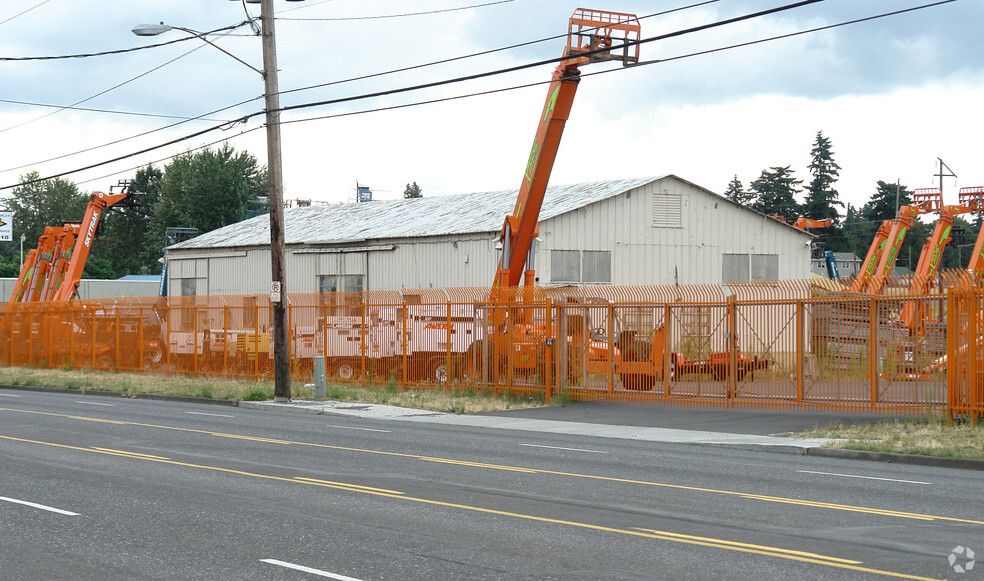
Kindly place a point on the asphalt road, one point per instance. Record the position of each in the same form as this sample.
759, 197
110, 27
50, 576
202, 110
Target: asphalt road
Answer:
113, 488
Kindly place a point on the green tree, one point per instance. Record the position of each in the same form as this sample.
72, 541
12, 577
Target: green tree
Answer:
881, 207
40, 203
775, 192
821, 198
885, 202
736, 192
412, 191
206, 189
124, 232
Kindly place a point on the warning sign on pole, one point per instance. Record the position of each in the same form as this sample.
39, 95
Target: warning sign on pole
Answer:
6, 226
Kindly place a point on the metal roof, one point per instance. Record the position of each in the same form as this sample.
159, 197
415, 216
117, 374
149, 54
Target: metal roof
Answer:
406, 218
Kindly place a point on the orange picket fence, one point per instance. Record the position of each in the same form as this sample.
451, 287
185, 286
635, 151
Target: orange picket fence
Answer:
796, 345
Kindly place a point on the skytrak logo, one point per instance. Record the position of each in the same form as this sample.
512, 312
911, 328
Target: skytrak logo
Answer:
92, 229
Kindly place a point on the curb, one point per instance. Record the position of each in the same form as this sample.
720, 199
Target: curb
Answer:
837, 453
121, 395
894, 458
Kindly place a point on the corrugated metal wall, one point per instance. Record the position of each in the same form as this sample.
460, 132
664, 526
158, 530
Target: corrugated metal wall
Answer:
98, 289
666, 232
682, 243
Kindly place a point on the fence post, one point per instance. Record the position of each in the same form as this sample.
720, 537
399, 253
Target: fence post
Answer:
800, 351
550, 339
873, 348
404, 344
611, 350
731, 315
448, 371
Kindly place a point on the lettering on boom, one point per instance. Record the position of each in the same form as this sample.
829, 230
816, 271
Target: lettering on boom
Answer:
92, 229
531, 164
938, 251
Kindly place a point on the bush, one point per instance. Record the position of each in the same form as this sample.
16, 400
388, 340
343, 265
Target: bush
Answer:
258, 393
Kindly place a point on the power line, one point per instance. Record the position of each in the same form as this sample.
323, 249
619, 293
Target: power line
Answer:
491, 73
404, 14
94, 110
363, 77
117, 51
517, 68
23, 12
145, 133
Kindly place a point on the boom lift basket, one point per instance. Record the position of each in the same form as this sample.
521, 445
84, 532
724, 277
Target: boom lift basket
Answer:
596, 30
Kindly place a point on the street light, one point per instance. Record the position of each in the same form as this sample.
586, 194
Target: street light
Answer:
271, 96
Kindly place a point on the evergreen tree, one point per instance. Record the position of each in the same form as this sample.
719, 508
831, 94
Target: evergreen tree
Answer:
821, 198
736, 192
775, 191
412, 191
885, 202
881, 207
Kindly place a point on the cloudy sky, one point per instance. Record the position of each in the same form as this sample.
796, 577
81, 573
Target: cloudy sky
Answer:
893, 94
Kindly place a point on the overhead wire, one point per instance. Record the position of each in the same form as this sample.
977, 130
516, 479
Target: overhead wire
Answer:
23, 12
491, 73
145, 133
385, 16
352, 79
480, 53
115, 51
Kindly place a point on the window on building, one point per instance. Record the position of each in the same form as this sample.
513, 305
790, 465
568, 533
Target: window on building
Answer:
350, 287
338, 283
763, 267
596, 266
188, 287
576, 266
749, 267
565, 265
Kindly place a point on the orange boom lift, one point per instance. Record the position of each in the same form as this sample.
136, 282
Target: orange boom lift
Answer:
591, 37
884, 249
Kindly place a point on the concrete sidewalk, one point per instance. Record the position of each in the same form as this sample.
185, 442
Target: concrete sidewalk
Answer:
597, 419
736, 428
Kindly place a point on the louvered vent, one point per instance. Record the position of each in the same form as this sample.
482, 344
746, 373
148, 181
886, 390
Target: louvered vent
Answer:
667, 210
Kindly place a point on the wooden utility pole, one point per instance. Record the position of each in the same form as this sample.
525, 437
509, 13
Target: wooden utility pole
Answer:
281, 352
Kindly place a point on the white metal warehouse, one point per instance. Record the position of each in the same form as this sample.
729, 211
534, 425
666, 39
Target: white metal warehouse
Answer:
662, 230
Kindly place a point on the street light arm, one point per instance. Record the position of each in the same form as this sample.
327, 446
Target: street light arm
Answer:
156, 29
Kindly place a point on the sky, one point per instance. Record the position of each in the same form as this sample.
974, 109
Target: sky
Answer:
893, 95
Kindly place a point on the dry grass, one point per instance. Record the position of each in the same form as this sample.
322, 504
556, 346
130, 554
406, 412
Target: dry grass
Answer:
928, 437
457, 401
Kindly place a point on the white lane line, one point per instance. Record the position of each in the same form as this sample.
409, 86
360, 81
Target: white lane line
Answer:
41, 506
94, 403
865, 477
308, 570
208, 414
560, 448
8, 395
360, 429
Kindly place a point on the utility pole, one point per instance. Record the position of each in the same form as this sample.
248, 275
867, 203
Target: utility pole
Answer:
278, 294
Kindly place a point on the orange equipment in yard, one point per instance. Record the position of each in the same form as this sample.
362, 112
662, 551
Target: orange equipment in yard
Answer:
974, 198
929, 263
53, 270
811, 224
884, 249
591, 37
83, 244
